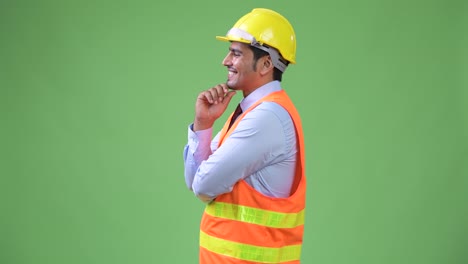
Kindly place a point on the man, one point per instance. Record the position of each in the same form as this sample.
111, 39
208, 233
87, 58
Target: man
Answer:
251, 174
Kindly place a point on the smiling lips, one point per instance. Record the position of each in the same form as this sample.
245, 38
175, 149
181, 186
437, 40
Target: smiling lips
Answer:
231, 72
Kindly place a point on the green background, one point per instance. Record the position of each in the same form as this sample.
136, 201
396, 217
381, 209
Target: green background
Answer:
96, 97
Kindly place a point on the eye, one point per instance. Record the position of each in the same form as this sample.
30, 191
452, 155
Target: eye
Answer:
235, 52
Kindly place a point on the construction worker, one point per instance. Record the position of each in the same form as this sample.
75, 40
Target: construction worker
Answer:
251, 174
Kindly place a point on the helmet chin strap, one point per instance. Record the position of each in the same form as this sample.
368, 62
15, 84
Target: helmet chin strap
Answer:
275, 57
274, 54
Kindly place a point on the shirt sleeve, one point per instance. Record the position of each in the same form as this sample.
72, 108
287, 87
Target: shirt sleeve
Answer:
198, 148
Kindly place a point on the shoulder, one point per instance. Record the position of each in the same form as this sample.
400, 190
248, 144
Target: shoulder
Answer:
268, 117
271, 111
272, 124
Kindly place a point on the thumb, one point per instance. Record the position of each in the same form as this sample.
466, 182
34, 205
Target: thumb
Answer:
229, 96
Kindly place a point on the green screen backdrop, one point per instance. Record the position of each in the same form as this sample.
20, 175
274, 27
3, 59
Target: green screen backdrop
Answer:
96, 98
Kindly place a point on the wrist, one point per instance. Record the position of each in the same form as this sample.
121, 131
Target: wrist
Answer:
202, 124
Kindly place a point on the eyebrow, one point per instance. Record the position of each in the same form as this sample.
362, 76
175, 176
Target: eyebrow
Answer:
235, 50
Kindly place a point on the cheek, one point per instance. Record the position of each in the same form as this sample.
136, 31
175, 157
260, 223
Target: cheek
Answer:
240, 66
235, 63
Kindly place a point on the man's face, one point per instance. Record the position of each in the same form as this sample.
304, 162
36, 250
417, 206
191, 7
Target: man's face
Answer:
239, 62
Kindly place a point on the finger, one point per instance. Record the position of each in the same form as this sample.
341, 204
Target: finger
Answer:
215, 94
208, 96
220, 89
225, 88
230, 94
228, 97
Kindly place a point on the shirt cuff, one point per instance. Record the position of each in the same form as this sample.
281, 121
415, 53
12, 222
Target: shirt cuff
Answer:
200, 135
200, 138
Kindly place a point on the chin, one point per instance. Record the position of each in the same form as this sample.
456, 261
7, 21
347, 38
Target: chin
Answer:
231, 85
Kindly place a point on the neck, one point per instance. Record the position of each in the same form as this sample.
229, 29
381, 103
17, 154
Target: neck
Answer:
257, 85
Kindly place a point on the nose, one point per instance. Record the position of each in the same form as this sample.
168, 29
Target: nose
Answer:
227, 60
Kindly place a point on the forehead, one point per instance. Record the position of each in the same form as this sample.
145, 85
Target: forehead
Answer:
244, 48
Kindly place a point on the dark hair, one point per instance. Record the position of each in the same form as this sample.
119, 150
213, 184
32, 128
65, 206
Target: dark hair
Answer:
257, 54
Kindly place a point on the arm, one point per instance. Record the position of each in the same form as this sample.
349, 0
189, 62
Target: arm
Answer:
210, 105
196, 150
254, 144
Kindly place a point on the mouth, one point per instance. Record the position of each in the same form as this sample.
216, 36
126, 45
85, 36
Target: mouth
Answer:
231, 72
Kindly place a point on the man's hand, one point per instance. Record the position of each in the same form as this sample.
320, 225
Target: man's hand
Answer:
210, 105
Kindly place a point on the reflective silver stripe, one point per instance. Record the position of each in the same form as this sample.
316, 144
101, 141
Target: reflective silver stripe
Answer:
249, 252
237, 32
256, 216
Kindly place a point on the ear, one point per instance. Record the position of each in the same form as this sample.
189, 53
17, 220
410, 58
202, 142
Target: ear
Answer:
266, 65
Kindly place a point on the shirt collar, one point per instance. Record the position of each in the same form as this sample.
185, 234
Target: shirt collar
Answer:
259, 93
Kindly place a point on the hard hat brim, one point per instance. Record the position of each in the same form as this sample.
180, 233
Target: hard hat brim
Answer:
222, 38
230, 38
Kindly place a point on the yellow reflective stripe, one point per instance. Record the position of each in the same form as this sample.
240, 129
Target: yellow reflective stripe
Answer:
255, 216
249, 252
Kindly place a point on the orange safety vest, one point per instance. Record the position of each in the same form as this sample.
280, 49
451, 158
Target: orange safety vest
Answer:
245, 226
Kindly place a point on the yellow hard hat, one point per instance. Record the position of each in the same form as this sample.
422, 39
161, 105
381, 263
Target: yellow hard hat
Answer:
266, 29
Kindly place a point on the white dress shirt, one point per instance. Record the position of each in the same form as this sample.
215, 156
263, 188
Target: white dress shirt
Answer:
261, 150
